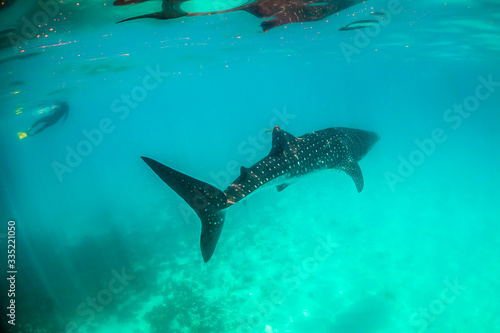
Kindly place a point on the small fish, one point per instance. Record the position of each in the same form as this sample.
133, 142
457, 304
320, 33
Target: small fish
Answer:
378, 13
17, 83
359, 25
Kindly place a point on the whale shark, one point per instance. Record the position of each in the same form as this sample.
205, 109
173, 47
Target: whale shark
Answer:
336, 148
279, 12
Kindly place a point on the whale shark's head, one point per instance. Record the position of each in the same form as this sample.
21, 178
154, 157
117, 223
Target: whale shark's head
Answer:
357, 142
363, 141
368, 138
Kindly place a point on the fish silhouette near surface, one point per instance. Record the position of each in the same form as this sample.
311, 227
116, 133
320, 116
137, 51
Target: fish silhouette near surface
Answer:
278, 12
337, 148
361, 24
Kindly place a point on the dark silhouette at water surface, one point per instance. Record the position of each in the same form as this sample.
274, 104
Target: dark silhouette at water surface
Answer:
279, 12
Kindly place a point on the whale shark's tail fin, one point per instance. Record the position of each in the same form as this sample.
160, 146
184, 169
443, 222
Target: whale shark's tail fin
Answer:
206, 200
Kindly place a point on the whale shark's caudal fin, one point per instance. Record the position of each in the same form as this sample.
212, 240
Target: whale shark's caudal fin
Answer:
206, 200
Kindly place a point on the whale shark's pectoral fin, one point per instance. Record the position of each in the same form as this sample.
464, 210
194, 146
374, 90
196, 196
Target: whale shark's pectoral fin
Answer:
170, 10
283, 186
352, 169
157, 15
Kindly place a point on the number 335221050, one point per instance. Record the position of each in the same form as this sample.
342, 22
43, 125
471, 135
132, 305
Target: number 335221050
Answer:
11, 248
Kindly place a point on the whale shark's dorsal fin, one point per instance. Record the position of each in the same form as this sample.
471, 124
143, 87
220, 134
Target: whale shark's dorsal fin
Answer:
282, 140
352, 169
243, 173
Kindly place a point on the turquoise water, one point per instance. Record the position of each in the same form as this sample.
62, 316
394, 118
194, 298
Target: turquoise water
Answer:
103, 245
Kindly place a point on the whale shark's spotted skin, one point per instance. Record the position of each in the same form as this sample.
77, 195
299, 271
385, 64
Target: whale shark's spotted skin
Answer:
290, 157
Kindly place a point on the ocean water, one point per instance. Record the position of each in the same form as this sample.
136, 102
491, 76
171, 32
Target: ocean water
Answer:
103, 245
